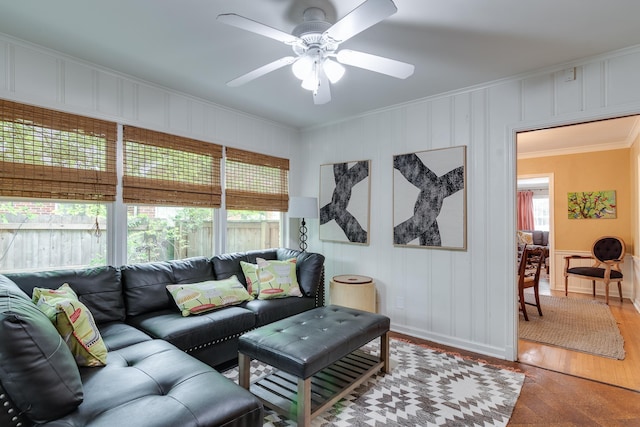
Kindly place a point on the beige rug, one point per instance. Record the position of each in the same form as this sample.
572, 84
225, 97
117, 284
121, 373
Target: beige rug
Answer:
576, 324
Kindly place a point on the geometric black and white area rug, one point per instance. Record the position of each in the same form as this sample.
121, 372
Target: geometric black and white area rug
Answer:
425, 387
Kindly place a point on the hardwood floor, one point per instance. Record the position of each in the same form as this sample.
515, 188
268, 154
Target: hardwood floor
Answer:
553, 393
623, 373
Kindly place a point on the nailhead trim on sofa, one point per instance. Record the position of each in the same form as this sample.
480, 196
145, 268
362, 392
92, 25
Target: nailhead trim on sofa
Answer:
9, 415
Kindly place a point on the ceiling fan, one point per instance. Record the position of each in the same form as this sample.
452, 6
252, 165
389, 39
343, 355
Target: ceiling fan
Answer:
315, 43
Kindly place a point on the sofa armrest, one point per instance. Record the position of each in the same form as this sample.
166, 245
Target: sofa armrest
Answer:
10, 415
320, 300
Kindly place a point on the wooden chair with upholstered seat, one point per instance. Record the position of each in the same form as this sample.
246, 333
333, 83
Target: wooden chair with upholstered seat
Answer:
529, 277
607, 253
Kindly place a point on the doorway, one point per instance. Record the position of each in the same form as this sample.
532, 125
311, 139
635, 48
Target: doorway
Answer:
548, 146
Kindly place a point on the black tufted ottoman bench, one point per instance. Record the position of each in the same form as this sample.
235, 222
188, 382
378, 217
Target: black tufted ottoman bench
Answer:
316, 356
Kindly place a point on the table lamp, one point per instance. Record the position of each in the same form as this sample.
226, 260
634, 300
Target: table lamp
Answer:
303, 207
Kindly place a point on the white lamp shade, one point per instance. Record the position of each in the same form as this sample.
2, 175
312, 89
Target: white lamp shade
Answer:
303, 207
303, 67
333, 70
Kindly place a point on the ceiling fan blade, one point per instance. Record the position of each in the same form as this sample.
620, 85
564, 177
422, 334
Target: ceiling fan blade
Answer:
323, 94
259, 72
379, 64
359, 19
256, 27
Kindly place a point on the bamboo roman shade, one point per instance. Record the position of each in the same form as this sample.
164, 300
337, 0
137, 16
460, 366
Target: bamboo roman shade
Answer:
169, 170
256, 181
53, 155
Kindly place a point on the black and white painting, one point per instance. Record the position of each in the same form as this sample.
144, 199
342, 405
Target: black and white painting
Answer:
344, 202
429, 199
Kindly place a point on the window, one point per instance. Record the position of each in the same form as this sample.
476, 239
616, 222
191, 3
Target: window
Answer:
54, 156
170, 170
47, 235
46, 154
58, 178
248, 230
256, 181
257, 191
540, 188
172, 185
156, 233
541, 212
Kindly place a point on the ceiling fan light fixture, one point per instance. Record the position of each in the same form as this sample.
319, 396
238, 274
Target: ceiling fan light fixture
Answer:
303, 67
317, 60
333, 70
311, 82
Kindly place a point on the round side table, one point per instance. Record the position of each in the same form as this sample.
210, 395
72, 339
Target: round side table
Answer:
355, 291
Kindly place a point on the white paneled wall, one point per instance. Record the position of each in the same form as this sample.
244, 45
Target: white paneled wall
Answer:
462, 298
38, 76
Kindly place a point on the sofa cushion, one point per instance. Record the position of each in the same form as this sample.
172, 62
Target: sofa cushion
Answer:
117, 335
74, 322
37, 369
538, 237
152, 383
145, 287
198, 298
227, 265
99, 288
192, 270
309, 268
268, 311
193, 331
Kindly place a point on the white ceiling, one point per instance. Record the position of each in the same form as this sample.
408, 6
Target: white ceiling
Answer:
600, 135
453, 44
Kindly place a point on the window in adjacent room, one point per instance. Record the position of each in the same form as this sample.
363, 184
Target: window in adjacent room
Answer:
540, 188
541, 212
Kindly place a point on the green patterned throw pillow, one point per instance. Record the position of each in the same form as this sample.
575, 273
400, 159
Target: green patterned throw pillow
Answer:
195, 298
74, 322
278, 279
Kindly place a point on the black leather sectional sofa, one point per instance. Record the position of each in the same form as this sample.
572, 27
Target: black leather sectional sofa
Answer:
162, 368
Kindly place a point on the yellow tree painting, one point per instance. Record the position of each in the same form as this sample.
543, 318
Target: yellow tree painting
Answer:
592, 204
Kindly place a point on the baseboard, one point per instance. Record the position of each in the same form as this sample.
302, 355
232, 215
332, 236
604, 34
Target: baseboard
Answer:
499, 353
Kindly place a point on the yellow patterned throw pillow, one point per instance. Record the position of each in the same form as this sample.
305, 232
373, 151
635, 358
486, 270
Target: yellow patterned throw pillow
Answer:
525, 238
278, 279
196, 298
74, 322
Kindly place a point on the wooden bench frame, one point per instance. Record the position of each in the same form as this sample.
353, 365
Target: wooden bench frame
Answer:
306, 398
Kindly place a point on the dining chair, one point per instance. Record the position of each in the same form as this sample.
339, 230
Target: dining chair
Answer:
607, 254
529, 277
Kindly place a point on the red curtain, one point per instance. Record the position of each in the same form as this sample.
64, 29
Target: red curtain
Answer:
525, 210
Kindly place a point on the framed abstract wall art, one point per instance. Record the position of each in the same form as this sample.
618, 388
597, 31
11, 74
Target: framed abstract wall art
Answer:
344, 202
592, 204
429, 199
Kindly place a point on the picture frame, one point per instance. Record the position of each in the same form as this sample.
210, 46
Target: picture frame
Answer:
430, 200
344, 202
592, 204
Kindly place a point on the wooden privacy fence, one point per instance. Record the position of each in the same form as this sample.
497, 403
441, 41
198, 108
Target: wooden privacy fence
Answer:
49, 242
45, 241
